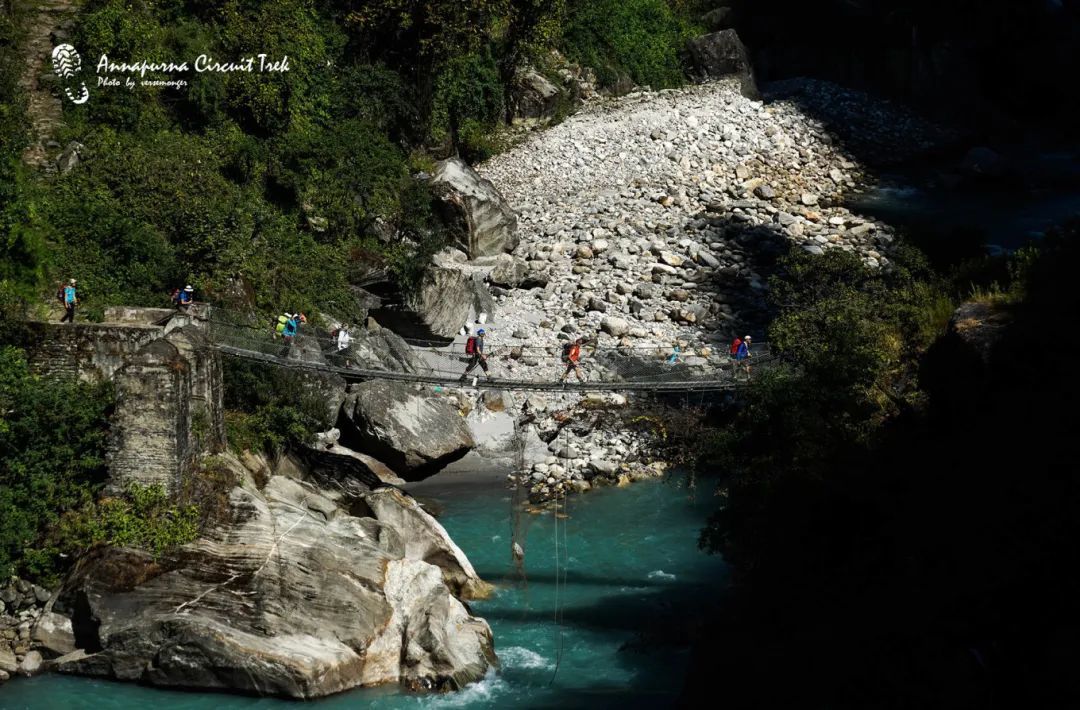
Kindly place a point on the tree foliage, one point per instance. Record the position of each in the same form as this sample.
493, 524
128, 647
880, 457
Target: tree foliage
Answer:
53, 435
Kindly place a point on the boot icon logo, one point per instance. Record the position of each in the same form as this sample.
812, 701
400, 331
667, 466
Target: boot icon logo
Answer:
66, 63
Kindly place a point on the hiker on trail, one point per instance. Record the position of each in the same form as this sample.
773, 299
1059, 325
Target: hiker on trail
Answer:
70, 301
292, 327
676, 356
571, 357
343, 338
279, 327
742, 355
474, 348
183, 298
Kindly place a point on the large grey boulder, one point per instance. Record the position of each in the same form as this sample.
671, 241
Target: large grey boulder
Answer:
53, 634
450, 294
304, 592
722, 54
8, 662
534, 97
414, 432
31, 664
424, 539
484, 223
382, 349
509, 271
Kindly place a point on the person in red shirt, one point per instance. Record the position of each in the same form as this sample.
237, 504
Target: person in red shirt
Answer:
572, 357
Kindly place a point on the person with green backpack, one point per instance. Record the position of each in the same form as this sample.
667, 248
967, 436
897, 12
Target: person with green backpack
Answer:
279, 327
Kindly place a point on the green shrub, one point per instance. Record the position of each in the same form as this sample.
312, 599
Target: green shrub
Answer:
468, 91
271, 408
639, 38
53, 438
144, 517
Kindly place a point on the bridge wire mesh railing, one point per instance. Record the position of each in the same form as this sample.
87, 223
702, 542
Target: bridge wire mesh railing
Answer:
511, 364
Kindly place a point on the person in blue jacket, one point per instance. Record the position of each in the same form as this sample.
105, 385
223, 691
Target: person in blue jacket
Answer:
186, 298
292, 327
71, 299
742, 355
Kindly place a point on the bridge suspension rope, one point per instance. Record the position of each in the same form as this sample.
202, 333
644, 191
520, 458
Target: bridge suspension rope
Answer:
612, 369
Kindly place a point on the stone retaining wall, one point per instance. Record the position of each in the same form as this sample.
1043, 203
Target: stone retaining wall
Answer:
168, 392
89, 351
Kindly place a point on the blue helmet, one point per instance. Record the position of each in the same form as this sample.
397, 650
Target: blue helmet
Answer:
481, 332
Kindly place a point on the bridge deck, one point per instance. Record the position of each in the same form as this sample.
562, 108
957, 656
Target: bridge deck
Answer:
620, 369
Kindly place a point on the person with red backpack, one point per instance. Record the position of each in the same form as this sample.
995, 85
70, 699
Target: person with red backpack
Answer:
474, 348
571, 357
741, 354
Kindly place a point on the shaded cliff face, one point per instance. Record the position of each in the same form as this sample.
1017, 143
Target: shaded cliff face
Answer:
989, 64
304, 592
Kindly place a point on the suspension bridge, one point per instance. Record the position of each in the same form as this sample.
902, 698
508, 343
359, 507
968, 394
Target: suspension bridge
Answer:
513, 366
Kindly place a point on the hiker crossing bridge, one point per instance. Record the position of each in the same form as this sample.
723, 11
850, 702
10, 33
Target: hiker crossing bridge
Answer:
514, 366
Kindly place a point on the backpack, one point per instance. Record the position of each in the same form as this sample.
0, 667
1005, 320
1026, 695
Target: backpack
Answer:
735, 346
60, 295
470, 345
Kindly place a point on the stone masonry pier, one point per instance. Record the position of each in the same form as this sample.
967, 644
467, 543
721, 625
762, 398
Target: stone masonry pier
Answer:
168, 382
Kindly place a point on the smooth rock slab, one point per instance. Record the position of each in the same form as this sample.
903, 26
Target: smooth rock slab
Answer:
486, 224
412, 431
303, 593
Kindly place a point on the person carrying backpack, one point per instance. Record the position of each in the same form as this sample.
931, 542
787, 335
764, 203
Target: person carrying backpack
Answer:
292, 326
742, 355
70, 301
279, 327
474, 348
733, 351
676, 354
185, 298
571, 357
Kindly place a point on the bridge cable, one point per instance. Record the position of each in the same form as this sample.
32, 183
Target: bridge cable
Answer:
560, 576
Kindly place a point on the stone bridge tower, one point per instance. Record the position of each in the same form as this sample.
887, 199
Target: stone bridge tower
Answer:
168, 382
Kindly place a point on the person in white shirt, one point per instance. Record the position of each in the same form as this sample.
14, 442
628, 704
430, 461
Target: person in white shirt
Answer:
343, 338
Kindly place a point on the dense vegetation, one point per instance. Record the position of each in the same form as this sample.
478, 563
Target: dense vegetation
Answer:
897, 507
265, 191
53, 435
273, 191
270, 408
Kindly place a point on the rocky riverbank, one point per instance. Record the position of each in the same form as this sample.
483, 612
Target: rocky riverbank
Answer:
313, 582
29, 627
653, 220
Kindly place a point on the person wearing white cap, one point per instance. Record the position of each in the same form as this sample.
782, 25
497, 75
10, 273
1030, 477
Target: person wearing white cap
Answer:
187, 297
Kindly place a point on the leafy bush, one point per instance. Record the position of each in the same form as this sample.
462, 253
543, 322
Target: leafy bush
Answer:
468, 91
53, 438
270, 408
639, 38
144, 517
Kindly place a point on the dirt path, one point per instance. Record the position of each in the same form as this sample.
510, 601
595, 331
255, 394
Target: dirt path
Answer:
48, 19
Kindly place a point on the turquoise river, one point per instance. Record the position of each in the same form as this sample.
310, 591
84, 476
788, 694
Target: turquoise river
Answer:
629, 579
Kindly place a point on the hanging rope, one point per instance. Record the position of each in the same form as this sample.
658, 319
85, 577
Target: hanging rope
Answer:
560, 572
517, 533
